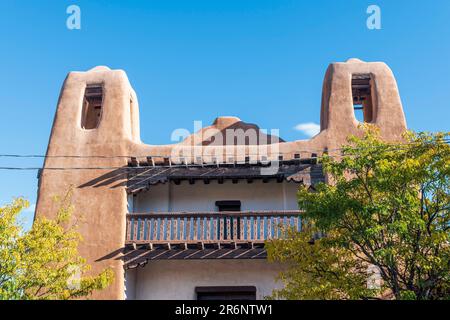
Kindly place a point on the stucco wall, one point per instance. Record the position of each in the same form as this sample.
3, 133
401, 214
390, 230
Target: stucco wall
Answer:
177, 279
202, 197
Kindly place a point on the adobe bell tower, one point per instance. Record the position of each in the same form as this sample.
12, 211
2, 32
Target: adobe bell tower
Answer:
95, 123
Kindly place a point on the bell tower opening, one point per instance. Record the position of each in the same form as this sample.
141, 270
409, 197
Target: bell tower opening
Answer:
362, 97
92, 106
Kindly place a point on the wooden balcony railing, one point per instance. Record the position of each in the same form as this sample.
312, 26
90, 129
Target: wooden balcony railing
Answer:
189, 227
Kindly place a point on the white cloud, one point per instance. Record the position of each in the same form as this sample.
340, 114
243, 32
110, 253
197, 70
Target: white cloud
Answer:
310, 128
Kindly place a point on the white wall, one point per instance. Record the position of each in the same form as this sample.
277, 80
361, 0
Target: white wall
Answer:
177, 279
130, 284
202, 197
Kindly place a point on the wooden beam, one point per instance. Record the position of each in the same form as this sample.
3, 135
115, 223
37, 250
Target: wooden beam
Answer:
167, 161
201, 245
134, 162
215, 214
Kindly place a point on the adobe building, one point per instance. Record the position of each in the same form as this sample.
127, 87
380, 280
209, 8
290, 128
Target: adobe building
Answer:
189, 220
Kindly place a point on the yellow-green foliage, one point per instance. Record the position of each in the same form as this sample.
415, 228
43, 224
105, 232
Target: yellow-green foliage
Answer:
388, 207
44, 263
317, 268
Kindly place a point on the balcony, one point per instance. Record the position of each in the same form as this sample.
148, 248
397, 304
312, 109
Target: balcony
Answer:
203, 228
203, 235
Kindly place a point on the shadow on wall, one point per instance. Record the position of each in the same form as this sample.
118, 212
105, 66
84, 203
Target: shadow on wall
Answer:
108, 179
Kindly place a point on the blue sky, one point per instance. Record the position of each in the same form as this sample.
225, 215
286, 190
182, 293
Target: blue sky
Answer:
262, 61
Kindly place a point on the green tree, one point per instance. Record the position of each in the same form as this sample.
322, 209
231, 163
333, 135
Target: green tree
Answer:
386, 210
43, 263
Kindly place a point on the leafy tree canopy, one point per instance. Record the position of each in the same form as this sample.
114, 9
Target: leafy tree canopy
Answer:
43, 263
385, 218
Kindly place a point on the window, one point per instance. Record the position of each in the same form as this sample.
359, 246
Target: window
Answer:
92, 106
226, 293
229, 205
362, 97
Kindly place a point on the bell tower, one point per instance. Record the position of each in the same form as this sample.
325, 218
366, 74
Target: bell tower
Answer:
354, 87
95, 123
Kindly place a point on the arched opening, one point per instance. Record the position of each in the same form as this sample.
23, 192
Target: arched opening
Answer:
362, 97
92, 106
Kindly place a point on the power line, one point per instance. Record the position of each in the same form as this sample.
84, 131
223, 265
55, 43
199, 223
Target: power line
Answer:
398, 146
443, 141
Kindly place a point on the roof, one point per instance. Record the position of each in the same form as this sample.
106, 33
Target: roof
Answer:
230, 131
304, 171
140, 256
